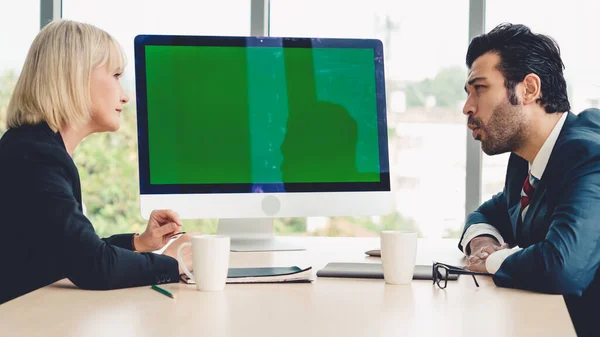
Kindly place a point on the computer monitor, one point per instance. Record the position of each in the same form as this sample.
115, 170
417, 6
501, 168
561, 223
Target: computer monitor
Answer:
247, 129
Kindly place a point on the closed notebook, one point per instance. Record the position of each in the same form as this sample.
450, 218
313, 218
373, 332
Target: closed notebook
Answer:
265, 275
372, 270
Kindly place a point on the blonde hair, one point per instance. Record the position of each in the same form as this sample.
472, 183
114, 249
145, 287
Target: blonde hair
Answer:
54, 85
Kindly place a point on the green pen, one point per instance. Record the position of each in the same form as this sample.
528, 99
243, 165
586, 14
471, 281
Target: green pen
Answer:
163, 291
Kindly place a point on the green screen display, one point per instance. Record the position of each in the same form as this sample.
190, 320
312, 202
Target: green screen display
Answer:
219, 115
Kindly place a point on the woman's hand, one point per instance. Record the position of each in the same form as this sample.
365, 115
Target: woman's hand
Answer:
186, 253
161, 226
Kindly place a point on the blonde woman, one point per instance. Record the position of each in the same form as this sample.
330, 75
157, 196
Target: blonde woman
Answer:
68, 89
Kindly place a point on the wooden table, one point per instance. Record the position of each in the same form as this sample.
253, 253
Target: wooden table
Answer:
326, 307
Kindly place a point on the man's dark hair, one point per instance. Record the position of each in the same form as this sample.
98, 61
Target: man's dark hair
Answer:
522, 52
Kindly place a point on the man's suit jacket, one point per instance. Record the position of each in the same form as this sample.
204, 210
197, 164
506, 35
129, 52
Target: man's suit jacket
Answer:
560, 234
45, 235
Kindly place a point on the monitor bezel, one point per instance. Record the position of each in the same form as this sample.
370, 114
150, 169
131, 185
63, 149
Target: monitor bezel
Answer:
146, 188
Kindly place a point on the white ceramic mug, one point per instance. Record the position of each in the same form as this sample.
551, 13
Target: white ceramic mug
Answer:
398, 256
210, 261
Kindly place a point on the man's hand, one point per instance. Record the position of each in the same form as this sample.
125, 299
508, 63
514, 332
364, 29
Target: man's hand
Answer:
161, 226
481, 248
186, 253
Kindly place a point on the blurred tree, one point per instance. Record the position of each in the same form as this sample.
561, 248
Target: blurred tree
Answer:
453, 233
289, 226
367, 226
447, 87
8, 80
107, 164
397, 221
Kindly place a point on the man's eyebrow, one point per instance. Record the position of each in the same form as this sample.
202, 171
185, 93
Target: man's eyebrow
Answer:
476, 79
473, 80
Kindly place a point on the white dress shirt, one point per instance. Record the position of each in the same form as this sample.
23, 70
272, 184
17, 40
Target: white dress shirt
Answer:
537, 168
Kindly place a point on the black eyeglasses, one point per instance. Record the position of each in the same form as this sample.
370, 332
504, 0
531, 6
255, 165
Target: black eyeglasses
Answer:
441, 271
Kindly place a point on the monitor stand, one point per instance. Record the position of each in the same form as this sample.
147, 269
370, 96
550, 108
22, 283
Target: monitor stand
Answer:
253, 235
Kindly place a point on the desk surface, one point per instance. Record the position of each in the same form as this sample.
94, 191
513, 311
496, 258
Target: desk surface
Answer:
327, 307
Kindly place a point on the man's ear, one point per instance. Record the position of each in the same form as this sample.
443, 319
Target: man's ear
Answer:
532, 86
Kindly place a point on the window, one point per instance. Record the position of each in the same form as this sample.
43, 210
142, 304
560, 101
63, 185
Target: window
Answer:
126, 19
20, 23
572, 25
424, 46
108, 162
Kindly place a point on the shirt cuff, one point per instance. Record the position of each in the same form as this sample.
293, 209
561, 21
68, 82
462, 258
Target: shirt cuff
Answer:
495, 260
478, 229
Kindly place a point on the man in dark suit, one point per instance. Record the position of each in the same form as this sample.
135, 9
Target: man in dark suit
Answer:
542, 232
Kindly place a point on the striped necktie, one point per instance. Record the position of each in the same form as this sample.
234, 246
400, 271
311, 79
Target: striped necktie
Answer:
529, 186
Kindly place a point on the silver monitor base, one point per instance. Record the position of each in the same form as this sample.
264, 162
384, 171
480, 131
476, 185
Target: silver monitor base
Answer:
253, 235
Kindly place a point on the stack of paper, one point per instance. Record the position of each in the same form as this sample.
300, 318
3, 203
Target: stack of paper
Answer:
265, 275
